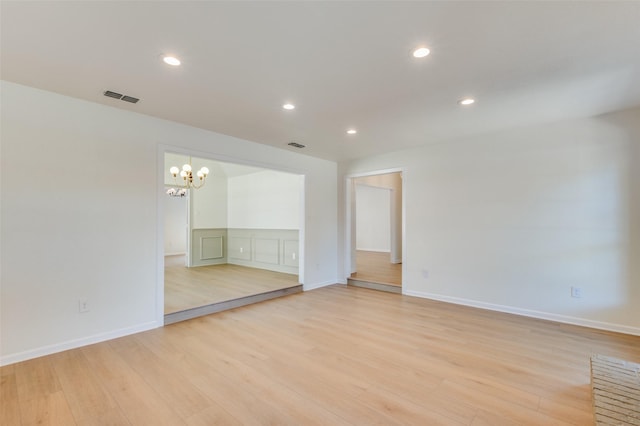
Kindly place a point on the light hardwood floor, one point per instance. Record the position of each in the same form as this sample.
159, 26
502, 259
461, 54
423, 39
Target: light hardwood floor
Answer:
376, 267
186, 288
333, 356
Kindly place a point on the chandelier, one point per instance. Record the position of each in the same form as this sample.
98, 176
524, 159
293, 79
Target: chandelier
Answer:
188, 181
173, 192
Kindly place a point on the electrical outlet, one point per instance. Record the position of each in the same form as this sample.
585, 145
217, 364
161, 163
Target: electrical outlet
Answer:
83, 305
576, 292
425, 273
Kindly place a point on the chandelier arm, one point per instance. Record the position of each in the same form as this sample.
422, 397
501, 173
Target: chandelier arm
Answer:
196, 186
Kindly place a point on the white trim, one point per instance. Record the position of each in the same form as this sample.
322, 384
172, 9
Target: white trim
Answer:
600, 325
159, 314
374, 250
307, 287
375, 172
76, 343
175, 254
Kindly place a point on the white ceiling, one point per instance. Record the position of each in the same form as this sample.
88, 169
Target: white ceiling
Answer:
344, 64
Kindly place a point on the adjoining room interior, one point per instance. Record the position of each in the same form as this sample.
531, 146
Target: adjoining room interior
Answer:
376, 231
233, 236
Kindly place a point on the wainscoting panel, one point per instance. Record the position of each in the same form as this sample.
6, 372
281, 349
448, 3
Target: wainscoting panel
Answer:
208, 247
272, 249
267, 250
290, 253
211, 248
239, 248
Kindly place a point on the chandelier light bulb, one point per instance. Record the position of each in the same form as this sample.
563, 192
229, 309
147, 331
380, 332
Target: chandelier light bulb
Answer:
187, 181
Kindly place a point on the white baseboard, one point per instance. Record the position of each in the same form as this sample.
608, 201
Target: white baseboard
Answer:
175, 254
374, 250
618, 328
76, 343
307, 287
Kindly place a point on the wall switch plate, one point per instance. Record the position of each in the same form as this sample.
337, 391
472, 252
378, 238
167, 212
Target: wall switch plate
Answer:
83, 305
576, 292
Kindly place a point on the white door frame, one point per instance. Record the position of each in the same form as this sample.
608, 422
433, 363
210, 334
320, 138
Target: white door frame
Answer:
350, 243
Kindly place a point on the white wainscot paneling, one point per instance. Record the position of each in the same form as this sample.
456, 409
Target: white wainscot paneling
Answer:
208, 247
239, 248
267, 250
272, 249
211, 248
290, 253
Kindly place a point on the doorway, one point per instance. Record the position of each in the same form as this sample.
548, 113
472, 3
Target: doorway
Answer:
236, 240
375, 230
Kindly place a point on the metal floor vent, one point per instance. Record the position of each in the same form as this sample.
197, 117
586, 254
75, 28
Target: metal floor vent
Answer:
120, 96
296, 144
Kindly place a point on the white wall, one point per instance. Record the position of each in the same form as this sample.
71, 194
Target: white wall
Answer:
80, 211
264, 200
392, 181
512, 220
373, 218
209, 203
175, 224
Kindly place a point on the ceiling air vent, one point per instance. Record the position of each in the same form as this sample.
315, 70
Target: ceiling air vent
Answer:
131, 99
111, 94
116, 95
295, 145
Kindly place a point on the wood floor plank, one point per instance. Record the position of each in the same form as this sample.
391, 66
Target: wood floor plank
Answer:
141, 404
376, 267
337, 355
187, 288
9, 402
51, 409
36, 378
158, 373
89, 401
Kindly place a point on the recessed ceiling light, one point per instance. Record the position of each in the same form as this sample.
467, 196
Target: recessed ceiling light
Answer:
171, 60
466, 101
352, 131
289, 106
421, 52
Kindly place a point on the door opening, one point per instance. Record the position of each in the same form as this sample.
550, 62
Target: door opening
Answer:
375, 230
236, 240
